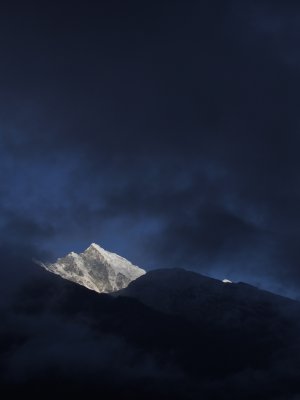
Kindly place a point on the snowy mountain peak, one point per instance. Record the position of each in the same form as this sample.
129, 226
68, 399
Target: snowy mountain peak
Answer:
96, 247
96, 268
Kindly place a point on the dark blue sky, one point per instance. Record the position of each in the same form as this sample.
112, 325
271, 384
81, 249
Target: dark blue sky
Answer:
165, 131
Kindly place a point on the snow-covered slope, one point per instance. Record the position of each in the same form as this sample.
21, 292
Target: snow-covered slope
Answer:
97, 269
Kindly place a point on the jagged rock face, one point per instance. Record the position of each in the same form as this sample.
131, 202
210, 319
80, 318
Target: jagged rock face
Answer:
97, 269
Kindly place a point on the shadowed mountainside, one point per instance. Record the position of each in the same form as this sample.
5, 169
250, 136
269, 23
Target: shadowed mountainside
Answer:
171, 333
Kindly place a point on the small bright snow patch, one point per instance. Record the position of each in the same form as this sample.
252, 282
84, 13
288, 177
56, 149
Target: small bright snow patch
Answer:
226, 281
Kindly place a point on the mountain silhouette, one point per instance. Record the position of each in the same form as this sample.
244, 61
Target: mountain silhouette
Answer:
170, 334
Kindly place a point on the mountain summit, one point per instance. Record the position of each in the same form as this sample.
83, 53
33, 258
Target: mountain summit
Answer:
96, 269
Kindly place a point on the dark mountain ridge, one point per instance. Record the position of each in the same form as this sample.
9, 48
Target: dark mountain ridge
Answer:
170, 333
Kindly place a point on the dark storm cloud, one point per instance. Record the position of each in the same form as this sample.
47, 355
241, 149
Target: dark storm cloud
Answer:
21, 227
168, 133
17, 267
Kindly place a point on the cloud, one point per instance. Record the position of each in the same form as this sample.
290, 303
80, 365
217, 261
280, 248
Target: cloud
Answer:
168, 134
178, 147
